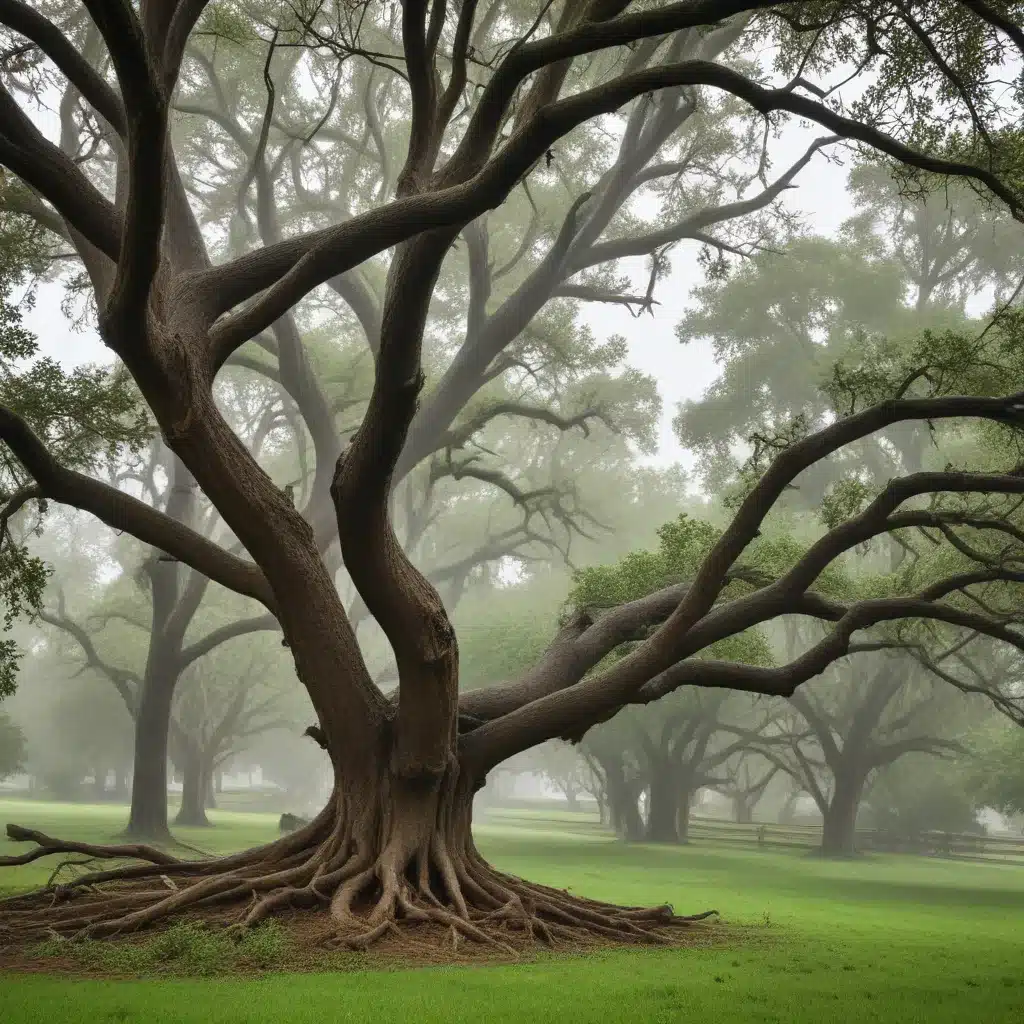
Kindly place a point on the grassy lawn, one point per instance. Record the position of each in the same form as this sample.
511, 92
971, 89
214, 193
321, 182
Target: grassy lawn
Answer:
897, 939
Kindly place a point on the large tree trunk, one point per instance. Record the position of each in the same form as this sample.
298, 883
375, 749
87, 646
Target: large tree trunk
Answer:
394, 842
663, 810
839, 831
387, 848
195, 783
147, 818
623, 799
742, 809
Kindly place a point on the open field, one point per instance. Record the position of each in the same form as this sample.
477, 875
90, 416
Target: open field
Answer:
885, 938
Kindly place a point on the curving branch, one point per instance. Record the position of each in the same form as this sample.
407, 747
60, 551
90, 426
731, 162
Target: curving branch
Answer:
292, 268
126, 682
123, 512
693, 225
459, 437
78, 71
146, 106
216, 637
54, 175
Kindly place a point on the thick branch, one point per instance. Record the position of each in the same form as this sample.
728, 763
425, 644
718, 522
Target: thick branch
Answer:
123, 512
33, 26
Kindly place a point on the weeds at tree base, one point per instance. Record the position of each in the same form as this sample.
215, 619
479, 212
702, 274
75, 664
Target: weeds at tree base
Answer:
187, 947
293, 944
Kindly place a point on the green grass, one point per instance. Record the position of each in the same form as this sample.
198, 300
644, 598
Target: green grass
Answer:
894, 939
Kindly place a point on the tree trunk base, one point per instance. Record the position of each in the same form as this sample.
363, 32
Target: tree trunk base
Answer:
368, 890
192, 820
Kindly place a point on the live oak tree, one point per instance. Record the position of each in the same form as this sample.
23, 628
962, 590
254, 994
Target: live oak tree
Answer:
780, 323
258, 183
232, 698
560, 763
394, 842
846, 734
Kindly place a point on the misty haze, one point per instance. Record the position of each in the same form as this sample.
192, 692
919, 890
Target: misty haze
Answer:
530, 489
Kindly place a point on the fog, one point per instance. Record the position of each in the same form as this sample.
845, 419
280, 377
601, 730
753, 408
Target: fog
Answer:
601, 449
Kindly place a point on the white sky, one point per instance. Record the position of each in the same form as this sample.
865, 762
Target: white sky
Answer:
682, 371
685, 371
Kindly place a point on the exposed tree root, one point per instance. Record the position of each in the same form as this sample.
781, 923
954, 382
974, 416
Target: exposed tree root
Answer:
364, 890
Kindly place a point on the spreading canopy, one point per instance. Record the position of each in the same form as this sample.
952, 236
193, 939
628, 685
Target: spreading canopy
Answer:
492, 91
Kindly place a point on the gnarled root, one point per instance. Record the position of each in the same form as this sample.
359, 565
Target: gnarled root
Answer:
330, 867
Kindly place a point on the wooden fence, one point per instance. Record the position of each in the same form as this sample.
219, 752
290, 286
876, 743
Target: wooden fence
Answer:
774, 836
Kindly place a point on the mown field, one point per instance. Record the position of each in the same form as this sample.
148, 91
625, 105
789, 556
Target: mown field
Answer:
885, 938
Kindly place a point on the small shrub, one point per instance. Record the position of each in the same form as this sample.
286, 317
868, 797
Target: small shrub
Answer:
191, 948
185, 948
265, 946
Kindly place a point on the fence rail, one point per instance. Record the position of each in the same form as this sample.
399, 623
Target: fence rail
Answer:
720, 831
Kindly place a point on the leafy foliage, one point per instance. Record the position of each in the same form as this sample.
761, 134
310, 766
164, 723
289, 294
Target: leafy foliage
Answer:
909, 800
999, 776
683, 545
86, 417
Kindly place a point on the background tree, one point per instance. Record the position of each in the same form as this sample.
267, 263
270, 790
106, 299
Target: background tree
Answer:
911, 799
232, 697
998, 780
397, 826
850, 728
746, 778
903, 265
